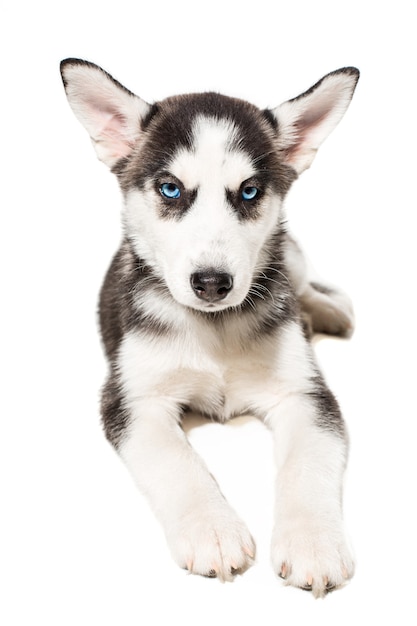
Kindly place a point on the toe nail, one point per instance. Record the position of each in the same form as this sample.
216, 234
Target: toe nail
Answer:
309, 583
249, 552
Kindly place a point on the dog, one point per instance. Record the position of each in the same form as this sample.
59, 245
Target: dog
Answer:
208, 306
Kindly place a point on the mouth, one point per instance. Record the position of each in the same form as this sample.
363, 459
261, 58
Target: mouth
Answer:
210, 307
216, 307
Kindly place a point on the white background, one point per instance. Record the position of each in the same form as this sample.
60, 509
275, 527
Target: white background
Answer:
78, 543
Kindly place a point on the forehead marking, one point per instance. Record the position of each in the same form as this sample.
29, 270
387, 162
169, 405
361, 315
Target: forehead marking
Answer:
212, 158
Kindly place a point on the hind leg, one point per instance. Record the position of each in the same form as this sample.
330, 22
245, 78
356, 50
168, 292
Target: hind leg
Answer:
324, 309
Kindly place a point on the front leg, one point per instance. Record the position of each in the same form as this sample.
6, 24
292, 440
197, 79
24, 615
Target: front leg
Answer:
204, 533
309, 549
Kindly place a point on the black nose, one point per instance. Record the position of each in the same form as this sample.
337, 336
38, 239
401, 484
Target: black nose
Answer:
211, 285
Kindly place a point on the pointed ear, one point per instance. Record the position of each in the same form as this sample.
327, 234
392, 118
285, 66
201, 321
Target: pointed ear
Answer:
306, 121
110, 113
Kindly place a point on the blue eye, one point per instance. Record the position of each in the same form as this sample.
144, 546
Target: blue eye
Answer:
170, 191
249, 193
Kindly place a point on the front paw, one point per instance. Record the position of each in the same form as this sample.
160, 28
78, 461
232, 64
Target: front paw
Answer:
312, 557
213, 543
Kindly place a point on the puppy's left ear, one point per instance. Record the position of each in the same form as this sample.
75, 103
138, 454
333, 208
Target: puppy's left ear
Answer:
306, 121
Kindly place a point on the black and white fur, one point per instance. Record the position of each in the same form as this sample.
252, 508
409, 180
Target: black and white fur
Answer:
206, 307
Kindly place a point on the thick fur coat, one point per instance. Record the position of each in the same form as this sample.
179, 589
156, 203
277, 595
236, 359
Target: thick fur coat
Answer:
208, 306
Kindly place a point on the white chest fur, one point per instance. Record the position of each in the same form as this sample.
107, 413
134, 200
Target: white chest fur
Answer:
215, 372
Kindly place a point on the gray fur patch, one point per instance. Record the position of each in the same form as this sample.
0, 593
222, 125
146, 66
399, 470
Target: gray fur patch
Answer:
115, 417
329, 416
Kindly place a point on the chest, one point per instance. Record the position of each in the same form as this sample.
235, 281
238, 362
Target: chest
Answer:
216, 375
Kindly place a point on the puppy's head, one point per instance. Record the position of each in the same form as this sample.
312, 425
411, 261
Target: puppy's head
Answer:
204, 175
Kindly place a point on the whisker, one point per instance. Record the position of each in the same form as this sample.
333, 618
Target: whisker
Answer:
272, 280
258, 286
257, 294
274, 269
265, 290
250, 302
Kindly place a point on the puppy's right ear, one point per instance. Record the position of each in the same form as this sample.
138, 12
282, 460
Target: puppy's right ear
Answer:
110, 113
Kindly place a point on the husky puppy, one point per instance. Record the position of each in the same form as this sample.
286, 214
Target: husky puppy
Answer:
205, 307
